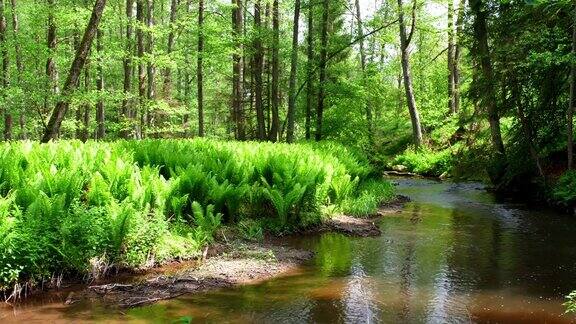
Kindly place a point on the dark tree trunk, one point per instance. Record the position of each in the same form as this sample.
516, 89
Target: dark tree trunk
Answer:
572, 97
51, 71
293, 74
323, 58
140, 17
457, 53
200, 67
170, 46
275, 126
407, 74
126, 113
71, 83
100, 113
4, 77
451, 61
309, 71
237, 89
258, 67
19, 64
360, 32
151, 68
482, 54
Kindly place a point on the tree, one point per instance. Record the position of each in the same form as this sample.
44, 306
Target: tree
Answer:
200, 68
140, 18
360, 33
323, 63
407, 76
4, 78
127, 65
237, 89
170, 44
100, 114
275, 125
481, 53
309, 70
293, 72
71, 83
258, 68
452, 108
572, 96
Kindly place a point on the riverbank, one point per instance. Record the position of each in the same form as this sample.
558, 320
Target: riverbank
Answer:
227, 264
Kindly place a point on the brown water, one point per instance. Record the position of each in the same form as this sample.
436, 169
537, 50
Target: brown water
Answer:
453, 255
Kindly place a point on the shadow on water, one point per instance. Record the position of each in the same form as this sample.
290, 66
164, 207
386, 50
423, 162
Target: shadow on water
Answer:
454, 254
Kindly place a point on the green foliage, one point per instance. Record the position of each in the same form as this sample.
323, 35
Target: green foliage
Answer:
425, 161
565, 189
570, 304
68, 207
368, 198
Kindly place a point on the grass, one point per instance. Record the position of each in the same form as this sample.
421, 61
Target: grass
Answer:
69, 208
425, 161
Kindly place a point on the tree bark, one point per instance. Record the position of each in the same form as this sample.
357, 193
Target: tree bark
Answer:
309, 70
457, 53
126, 113
140, 17
451, 60
19, 64
275, 126
293, 74
51, 71
170, 46
323, 63
360, 32
258, 68
151, 68
71, 83
482, 54
570, 150
4, 77
100, 113
237, 89
407, 74
200, 68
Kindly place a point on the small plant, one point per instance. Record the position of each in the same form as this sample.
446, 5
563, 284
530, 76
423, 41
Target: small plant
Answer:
251, 230
570, 304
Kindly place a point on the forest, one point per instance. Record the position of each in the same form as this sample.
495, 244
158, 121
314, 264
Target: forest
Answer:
135, 131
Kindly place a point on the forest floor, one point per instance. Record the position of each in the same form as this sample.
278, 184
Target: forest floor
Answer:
229, 264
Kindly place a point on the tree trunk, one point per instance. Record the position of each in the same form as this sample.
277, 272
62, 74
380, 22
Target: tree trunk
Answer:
100, 114
572, 97
19, 64
151, 68
200, 67
258, 67
237, 90
457, 53
309, 70
140, 17
360, 32
71, 83
323, 58
275, 126
51, 71
407, 76
482, 54
293, 74
126, 113
4, 77
170, 46
451, 60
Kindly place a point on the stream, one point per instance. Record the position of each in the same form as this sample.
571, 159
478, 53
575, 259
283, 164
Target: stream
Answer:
454, 254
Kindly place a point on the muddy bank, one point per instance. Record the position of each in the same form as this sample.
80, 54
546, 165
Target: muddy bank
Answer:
237, 264
363, 227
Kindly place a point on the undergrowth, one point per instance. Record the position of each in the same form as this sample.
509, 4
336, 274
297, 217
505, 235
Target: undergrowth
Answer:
70, 208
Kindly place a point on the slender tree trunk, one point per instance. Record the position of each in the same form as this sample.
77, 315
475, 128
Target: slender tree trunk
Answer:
140, 17
293, 74
360, 32
71, 83
19, 64
126, 113
200, 67
572, 97
170, 46
83, 112
309, 70
527, 129
151, 68
4, 77
258, 67
482, 53
100, 113
451, 60
457, 53
407, 74
275, 127
238, 92
323, 58
51, 71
